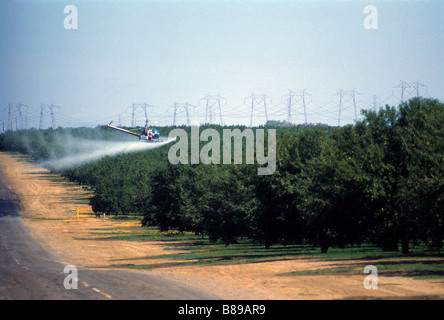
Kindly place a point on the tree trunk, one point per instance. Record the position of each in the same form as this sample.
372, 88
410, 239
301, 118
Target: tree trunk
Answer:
267, 243
324, 243
324, 247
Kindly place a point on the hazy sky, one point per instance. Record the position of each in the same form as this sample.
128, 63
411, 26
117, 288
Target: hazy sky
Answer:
166, 52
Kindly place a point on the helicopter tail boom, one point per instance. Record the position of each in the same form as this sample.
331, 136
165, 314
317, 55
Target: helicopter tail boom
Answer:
123, 130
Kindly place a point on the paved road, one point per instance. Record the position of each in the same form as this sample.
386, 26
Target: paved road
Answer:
27, 271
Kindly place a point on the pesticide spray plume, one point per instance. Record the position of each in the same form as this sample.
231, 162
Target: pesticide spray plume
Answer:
81, 151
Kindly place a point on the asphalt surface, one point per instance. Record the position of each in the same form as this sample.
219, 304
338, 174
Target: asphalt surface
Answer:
29, 272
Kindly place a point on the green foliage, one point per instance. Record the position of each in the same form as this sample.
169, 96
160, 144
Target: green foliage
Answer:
379, 180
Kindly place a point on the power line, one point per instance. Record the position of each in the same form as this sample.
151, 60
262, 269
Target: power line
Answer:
19, 112
294, 107
408, 89
179, 107
289, 96
213, 102
343, 94
51, 108
258, 100
294, 98
141, 106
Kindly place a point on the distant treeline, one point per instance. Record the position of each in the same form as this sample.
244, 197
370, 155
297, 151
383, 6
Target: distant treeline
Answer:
380, 180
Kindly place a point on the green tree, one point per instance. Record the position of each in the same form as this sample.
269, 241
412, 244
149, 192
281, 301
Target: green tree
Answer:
279, 218
227, 202
406, 168
420, 132
170, 204
333, 204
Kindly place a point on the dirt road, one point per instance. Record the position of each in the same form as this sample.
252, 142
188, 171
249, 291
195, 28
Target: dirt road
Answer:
28, 271
49, 213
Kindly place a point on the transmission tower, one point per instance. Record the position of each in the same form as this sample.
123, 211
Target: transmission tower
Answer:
18, 111
375, 103
259, 100
303, 105
403, 85
213, 102
133, 120
179, 107
301, 97
139, 106
10, 106
351, 94
408, 89
11, 110
293, 98
290, 96
22, 109
51, 108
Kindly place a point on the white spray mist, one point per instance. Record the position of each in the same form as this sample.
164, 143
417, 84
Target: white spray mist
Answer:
82, 151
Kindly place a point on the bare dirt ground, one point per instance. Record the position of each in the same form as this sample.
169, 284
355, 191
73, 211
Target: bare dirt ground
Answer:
49, 211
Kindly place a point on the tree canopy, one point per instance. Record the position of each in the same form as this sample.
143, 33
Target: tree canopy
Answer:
380, 180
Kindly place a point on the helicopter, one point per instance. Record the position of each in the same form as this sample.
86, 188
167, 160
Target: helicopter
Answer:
148, 134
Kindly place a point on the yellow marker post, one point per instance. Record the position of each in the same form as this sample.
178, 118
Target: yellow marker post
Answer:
80, 210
